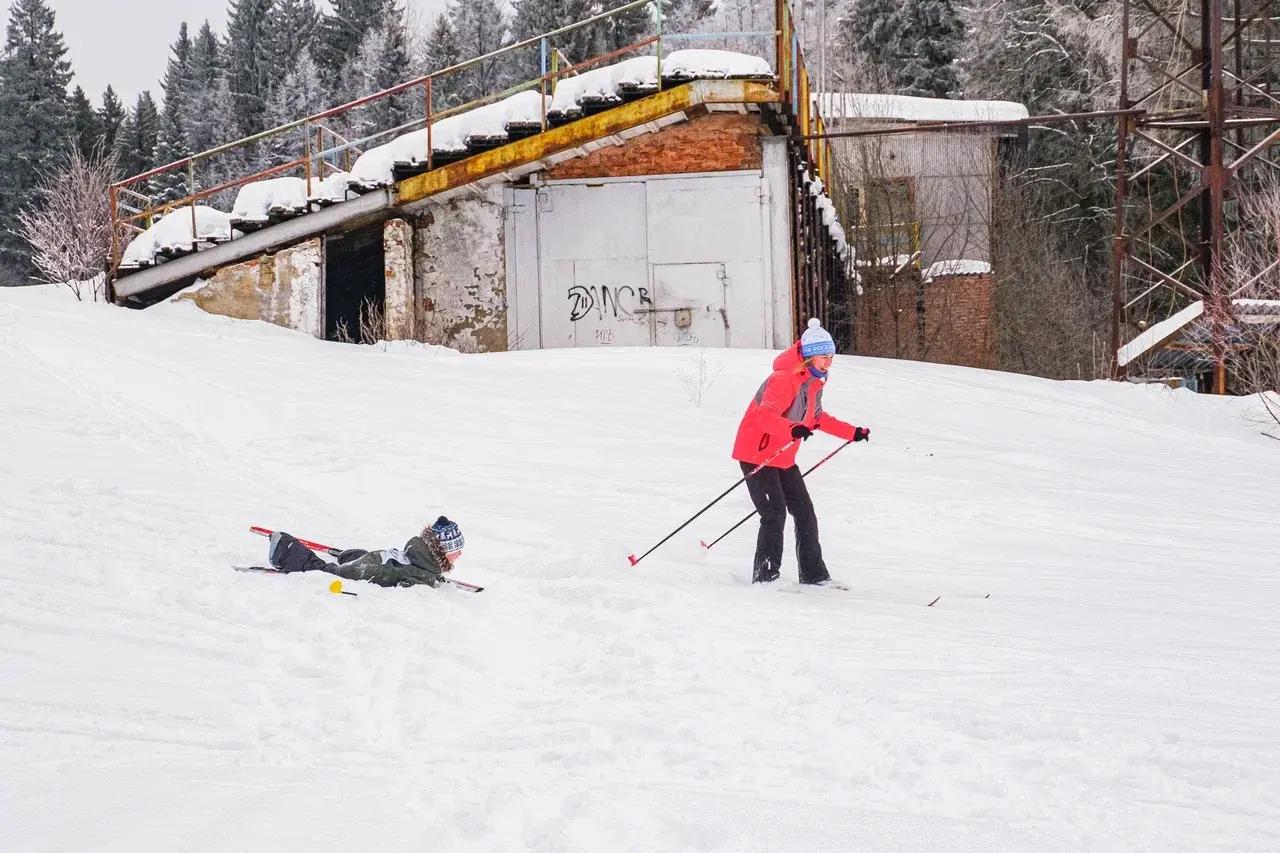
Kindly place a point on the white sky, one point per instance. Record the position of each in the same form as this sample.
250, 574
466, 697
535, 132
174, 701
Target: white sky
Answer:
126, 42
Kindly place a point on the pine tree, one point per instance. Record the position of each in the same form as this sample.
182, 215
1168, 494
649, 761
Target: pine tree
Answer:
480, 27
625, 28
686, 16
300, 94
87, 127
341, 32
380, 63
36, 127
1042, 54
534, 17
293, 28
913, 42
440, 51
173, 141
249, 53
110, 117
210, 118
136, 140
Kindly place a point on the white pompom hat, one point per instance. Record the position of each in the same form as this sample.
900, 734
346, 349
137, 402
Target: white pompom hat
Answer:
816, 340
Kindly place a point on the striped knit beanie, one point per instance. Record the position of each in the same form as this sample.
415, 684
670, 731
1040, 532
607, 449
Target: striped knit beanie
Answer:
448, 535
816, 340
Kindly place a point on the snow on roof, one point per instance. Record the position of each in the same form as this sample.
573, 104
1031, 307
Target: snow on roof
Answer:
172, 232
259, 201
449, 135
1159, 333
958, 266
456, 135
332, 189
850, 105
1246, 311
703, 62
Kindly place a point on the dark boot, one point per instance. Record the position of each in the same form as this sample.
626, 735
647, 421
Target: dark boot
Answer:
289, 555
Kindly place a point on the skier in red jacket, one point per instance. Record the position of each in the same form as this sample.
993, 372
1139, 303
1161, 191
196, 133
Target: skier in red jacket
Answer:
788, 408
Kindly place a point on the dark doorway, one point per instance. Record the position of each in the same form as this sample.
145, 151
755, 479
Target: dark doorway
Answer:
355, 280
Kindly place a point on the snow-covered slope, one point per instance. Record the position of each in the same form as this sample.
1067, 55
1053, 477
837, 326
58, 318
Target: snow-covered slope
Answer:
1117, 691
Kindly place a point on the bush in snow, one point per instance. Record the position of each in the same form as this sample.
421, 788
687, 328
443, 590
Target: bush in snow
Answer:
69, 226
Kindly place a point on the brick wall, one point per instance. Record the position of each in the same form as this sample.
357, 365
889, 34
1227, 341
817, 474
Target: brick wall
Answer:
946, 321
711, 142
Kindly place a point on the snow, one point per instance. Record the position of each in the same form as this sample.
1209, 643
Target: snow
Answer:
1116, 691
449, 135
332, 189
1159, 333
956, 266
594, 86
701, 63
847, 105
173, 232
259, 201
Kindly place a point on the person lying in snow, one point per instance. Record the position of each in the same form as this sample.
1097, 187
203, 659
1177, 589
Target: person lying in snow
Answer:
423, 560
788, 408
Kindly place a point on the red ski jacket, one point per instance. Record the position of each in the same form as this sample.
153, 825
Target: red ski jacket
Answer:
785, 399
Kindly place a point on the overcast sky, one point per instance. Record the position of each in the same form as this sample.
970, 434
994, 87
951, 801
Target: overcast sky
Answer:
128, 49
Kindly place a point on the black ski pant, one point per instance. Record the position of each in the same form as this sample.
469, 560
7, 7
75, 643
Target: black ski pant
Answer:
290, 555
775, 492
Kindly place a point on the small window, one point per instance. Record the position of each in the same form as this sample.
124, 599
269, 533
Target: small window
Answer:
888, 223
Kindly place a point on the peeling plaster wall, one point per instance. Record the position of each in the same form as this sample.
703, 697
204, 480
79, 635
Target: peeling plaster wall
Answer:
397, 245
461, 275
284, 288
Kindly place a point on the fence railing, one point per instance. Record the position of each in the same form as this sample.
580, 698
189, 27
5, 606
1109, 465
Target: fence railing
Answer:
133, 208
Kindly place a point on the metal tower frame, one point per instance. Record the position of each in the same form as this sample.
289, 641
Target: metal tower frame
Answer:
1199, 109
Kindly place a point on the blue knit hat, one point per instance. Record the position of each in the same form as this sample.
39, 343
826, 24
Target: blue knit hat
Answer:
448, 535
816, 340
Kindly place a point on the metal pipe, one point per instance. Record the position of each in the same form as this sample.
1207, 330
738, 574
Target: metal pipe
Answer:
970, 125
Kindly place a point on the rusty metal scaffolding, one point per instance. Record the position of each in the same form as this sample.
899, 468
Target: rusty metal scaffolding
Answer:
1200, 109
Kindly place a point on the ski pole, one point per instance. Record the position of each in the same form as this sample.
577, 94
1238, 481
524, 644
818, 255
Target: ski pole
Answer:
334, 552
633, 559
754, 513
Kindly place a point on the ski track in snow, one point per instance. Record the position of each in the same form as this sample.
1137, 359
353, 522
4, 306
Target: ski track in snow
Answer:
1117, 691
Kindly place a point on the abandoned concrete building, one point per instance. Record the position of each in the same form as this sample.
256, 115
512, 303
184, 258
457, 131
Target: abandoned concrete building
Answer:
658, 200
919, 222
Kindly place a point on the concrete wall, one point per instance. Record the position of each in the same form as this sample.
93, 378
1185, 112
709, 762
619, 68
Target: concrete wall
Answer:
400, 305
285, 288
460, 274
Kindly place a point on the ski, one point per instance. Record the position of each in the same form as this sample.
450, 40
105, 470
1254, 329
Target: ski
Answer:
266, 569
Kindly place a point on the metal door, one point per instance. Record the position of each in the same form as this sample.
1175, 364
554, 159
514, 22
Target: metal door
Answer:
689, 304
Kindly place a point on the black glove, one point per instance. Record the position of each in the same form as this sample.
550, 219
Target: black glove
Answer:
801, 431
862, 433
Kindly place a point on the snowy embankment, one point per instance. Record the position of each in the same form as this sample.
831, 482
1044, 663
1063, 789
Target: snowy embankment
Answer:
1116, 691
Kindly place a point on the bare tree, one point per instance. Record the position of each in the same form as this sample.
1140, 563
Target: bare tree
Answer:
1251, 289
69, 225
1049, 321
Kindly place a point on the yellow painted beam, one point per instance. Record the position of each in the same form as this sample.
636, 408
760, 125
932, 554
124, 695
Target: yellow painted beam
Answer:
584, 130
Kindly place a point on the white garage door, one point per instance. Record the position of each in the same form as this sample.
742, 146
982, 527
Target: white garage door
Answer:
677, 261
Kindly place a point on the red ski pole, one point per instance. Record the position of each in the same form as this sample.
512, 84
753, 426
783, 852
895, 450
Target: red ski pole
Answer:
754, 513
633, 559
333, 552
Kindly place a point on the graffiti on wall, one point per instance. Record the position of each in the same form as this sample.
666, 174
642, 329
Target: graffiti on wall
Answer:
618, 302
